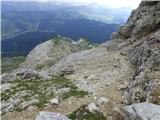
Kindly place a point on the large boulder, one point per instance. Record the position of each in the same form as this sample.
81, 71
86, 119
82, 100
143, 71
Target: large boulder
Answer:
50, 116
142, 111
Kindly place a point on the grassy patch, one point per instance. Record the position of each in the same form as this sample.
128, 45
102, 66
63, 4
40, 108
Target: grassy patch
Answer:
41, 90
56, 40
85, 45
156, 67
74, 92
155, 93
83, 113
10, 63
40, 66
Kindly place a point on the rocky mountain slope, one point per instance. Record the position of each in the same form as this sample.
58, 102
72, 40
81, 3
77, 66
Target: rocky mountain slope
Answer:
118, 80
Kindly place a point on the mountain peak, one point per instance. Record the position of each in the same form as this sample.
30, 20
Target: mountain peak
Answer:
142, 21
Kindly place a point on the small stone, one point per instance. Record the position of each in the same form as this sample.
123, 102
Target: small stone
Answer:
54, 101
91, 77
95, 97
108, 84
109, 118
102, 101
31, 108
122, 86
124, 53
92, 107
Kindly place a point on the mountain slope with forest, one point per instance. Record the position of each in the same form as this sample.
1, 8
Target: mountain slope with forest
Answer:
93, 31
49, 17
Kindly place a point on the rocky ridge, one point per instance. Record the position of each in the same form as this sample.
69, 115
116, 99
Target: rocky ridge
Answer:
125, 71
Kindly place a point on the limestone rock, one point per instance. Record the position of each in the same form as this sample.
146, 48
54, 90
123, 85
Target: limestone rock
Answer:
27, 74
7, 107
54, 101
142, 21
142, 111
5, 86
26, 104
92, 107
43, 115
102, 101
53, 50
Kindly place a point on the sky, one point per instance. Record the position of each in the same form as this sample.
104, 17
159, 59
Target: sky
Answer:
110, 3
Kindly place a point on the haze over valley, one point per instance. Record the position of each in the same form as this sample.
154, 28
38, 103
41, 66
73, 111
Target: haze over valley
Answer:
23, 21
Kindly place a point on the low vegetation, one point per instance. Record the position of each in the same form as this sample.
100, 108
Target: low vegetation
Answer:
41, 91
83, 113
10, 63
40, 66
85, 45
56, 41
155, 67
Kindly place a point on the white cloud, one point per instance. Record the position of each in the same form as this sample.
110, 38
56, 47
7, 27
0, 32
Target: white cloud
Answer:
110, 3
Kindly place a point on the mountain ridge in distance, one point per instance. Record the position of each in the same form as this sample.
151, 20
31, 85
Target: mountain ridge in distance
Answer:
93, 31
15, 15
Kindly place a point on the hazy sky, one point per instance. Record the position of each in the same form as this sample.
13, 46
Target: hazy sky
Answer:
111, 3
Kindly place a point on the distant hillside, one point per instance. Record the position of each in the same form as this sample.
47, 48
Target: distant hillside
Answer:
24, 43
93, 31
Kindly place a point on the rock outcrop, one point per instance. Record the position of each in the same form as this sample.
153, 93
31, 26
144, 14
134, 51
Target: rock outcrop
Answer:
140, 37
48, 53
142, 21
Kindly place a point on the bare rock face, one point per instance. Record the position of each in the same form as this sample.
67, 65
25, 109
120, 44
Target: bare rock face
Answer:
141, 38
48, 53
146, 57
142, 111
142, 21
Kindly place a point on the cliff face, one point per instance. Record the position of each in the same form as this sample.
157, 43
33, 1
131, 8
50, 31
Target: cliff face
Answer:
142, 21
140, 37
125, 69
